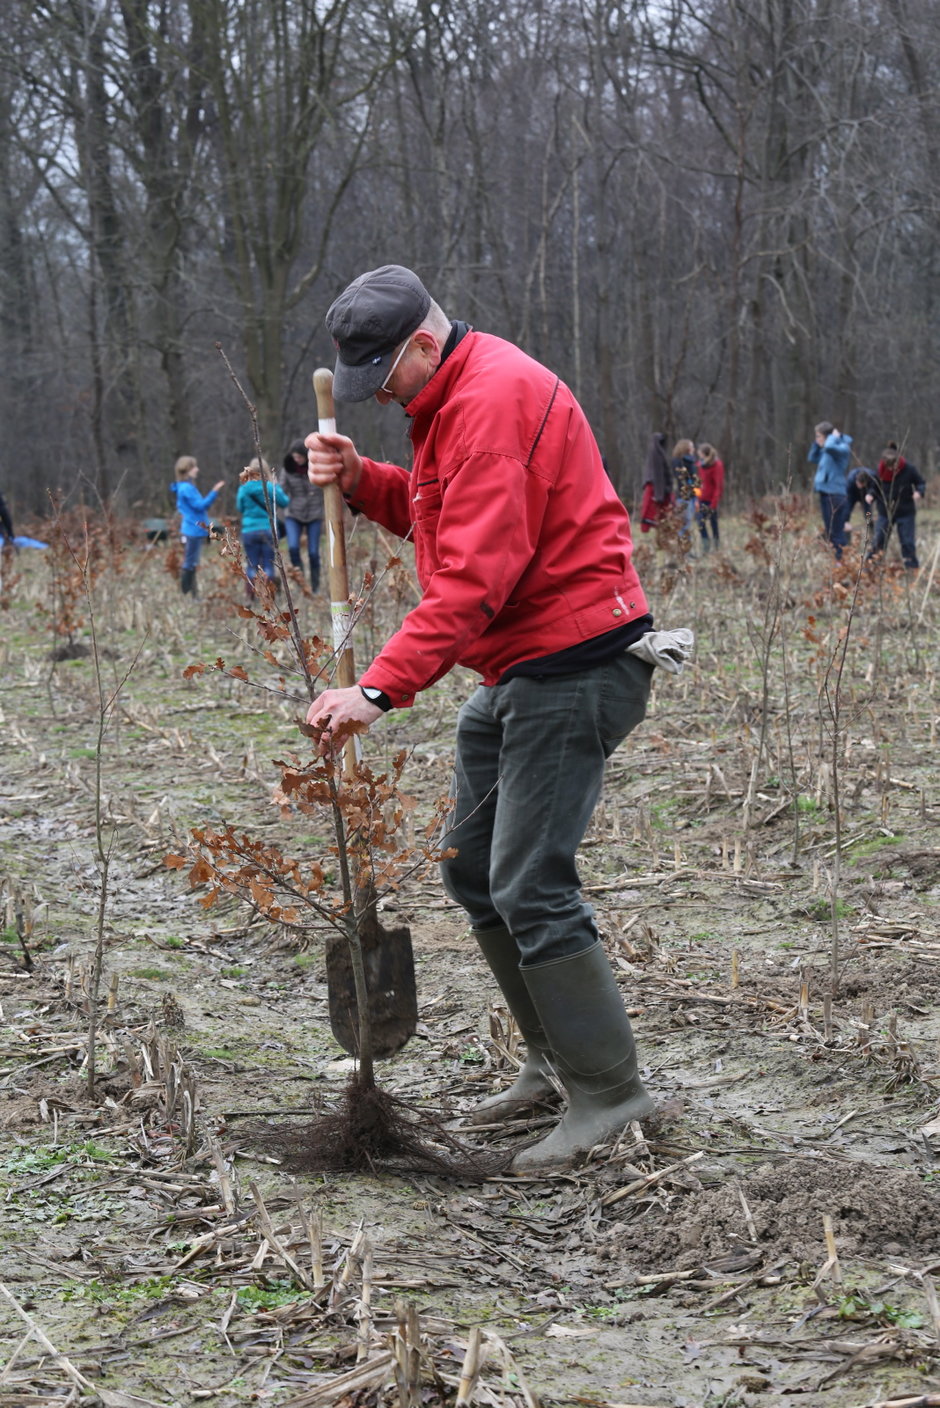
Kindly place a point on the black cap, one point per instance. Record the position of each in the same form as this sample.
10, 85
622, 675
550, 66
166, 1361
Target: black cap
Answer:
368, 321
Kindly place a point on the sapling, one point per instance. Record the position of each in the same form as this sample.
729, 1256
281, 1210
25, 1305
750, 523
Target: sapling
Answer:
367, 810
85, 568
360, 915
831, 693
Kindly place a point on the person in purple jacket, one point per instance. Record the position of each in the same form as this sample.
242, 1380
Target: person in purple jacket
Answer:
194, 511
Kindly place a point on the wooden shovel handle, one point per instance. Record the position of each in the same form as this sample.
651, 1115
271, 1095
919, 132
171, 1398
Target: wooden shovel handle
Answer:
337, 574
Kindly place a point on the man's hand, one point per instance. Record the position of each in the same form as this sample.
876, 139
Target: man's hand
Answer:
333, 459
335, 707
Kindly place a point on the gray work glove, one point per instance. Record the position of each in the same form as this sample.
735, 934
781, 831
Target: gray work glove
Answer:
670, 649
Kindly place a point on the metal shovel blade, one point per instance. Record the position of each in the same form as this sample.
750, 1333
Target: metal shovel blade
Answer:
390, 982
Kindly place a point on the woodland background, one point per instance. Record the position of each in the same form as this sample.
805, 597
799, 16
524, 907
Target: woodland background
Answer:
716, 220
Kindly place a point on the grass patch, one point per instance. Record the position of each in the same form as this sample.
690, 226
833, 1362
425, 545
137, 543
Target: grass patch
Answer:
663, 813
822, 909
873, 845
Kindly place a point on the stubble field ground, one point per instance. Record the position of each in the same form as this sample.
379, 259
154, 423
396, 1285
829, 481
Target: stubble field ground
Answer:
772, 1234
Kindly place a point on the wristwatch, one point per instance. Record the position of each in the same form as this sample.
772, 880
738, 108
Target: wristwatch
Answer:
376, 696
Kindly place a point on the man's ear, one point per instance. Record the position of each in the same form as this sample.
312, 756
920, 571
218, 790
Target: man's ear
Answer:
429, 346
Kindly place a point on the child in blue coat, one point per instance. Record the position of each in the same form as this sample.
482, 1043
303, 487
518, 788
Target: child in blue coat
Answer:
830, 452
256, 496
194, 510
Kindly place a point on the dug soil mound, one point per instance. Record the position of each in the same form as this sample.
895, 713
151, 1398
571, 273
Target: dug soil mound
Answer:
874, 1211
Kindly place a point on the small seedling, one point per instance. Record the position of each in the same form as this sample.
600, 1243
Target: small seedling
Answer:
268, 1297
859, 1307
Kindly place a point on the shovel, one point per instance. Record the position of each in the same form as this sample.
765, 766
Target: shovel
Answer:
387, 957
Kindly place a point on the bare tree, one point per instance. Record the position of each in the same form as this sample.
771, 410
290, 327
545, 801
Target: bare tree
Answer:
713, 219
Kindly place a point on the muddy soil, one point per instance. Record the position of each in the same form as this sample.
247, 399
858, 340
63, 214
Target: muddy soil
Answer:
771, 1233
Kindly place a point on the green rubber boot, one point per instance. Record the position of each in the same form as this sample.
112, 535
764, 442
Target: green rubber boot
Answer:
592, 1047
534, 1082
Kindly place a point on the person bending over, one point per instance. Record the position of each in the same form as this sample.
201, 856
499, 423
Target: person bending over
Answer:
894, 493
524, 555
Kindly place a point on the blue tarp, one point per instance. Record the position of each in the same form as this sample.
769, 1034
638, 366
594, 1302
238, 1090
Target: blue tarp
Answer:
29, 543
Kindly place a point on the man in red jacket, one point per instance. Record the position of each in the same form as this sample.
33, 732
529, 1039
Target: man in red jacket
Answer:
523, 551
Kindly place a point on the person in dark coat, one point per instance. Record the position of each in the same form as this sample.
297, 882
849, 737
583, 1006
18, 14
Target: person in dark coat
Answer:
6, 522
894, 494
304, 512
685, 473
657, 494
857, 485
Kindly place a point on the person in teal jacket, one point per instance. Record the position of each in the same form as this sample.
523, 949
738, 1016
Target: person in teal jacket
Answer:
830, 452
255, 496
194, 510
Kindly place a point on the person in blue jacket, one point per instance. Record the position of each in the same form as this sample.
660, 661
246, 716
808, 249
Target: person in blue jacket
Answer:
193, 508
257, 503
830, 452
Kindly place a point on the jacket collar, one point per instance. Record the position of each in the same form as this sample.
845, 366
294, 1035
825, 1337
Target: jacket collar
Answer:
431, 397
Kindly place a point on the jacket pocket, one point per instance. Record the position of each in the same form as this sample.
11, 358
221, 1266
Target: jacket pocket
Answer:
426, 504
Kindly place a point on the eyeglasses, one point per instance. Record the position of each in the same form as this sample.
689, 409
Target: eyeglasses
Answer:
391, 371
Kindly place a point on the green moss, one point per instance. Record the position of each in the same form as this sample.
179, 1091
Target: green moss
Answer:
116, 1294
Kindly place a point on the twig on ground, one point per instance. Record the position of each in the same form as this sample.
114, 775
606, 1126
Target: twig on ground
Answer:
641, 1184
64, 1363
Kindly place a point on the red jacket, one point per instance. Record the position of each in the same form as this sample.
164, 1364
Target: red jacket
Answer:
713, 482
521, 545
